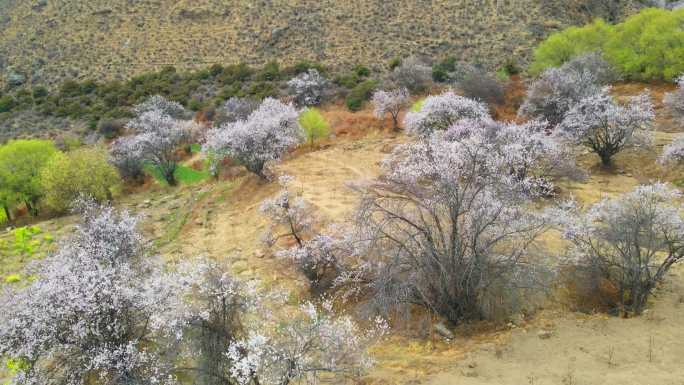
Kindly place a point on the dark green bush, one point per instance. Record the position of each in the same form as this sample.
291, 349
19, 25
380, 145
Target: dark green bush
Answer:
270, 72
361, 71
6, 103
360, 94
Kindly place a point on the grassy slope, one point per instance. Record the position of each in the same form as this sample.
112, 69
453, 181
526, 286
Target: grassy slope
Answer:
120, 38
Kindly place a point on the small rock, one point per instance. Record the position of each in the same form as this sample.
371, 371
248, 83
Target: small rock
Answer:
199, 222
258, 253
472, 365
544, 334
444, 331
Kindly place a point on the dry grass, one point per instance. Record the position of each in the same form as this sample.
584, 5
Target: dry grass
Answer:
116, 39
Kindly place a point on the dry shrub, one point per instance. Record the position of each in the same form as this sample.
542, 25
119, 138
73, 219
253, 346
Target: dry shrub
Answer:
586, 291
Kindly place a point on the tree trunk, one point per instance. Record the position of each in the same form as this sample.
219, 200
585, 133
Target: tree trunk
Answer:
31, 206
606, 159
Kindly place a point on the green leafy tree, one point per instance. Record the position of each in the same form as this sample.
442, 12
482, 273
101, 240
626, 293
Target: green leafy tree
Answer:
646, 46
314, 124
649, 45
20, 165
562, 46
81, 172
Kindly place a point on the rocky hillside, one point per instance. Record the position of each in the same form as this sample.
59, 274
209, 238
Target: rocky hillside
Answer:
47, 40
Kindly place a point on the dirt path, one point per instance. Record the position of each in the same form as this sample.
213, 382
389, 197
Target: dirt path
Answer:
586, 350
228, 225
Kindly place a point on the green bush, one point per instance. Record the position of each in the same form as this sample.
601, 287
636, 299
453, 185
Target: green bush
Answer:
20, 164
562, 46
270, 72
361, 71
646, 46
6, 103
314, 125
84, 171
360, 94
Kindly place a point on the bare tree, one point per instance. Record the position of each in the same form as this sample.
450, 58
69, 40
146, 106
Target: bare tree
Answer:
630, 241
446, 229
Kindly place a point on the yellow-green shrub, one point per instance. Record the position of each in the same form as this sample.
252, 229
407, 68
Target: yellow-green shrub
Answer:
84, 171
314, 125
646, 46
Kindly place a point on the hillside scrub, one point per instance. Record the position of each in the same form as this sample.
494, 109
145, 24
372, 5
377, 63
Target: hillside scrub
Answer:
646, 46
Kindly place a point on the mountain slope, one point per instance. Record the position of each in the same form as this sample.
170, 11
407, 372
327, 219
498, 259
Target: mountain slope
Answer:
48, 40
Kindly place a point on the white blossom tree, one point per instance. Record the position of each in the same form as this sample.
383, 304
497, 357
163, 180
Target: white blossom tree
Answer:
156, 140
556, 92
674, 101
440, 112
630, 241
126, 155
266, 135
94, 310
304, 347
673, 152
308, 88
390, 102
448, 229
163, 105
606, 127
533, 156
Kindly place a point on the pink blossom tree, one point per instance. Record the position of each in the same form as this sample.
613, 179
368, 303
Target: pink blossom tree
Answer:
448, 229
674, 101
